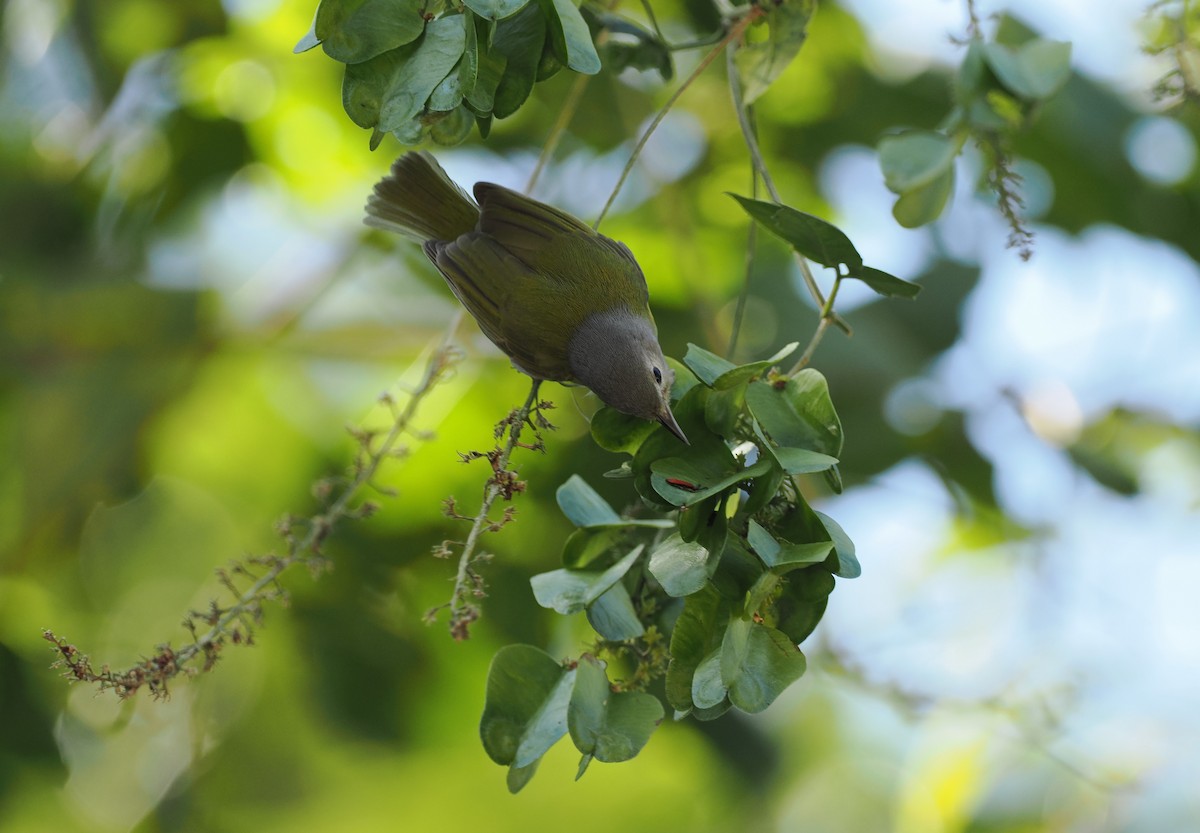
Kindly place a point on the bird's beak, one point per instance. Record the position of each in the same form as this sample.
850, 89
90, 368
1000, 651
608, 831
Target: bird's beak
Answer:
668, 420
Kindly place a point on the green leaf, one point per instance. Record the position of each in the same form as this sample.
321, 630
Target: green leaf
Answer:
448, 94
570, 591
848, 566
697, 631
800, 415
924, 205
615, 431
680, 567
570, 36
520, 40
583, 506
1035, 70
519, 776
801, 460
353, 31
584, 546
613, 617
757, 663
801, 603
390, 90
642, 50
886, 284
453, 129
783, 556
722, 410
817, 240
760, 63
489, 65
915, 158
309, 40
495, 9
606, 725
685, 380
707, 366
708, 689
684, 481
525, 710
746, 372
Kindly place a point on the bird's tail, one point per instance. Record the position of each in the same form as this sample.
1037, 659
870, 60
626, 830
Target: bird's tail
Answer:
418, 200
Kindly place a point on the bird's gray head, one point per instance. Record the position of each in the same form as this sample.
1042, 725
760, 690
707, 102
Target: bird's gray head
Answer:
616, 354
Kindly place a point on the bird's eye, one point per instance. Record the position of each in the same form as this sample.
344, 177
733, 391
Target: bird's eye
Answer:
657, 375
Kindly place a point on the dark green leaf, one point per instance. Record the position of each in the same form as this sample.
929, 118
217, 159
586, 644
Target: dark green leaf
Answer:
817, 240
745, 372
684, 481
525, 710
570, 36
613, 617
886, 284
490, 66
353, 31
495, 9
801, 603
606, 725
722, 410
519, 39
453, 129
757, 663
585, 546
697, 631
783, 556
447, 95
519, 776
760, 63
737, 570
570, 591
680, 567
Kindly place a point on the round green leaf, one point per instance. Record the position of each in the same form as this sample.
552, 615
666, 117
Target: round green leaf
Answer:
615, 431
613, 617
924, 205
799, 414
525, 710
756, 664
582, 505
680, 567
915, 158
1035, 70
353, 31
609, 726
495, 9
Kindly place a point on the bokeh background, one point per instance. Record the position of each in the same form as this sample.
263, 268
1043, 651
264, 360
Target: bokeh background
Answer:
191, 311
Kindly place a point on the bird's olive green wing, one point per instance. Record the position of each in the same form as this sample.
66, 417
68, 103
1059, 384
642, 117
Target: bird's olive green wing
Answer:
561, 249
530, 321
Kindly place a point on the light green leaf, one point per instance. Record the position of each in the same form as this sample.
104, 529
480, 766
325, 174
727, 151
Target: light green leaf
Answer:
816, 239
353, 31
745, 372
783, 556
615, 431
606, 725
925, 204
760, 63
801, 460
1035, 70
886, 284
570, 591
756, 664
583, 506
708, 689
309, 40
680, 567
915, 158
613, 617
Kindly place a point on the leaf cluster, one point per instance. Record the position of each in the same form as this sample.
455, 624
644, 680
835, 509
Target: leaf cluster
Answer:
429, 69
998, 89
730, 573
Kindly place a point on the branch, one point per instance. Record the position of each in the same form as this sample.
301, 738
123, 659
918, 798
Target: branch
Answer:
304, 537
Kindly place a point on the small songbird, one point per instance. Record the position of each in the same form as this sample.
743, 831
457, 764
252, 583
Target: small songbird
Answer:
564, 302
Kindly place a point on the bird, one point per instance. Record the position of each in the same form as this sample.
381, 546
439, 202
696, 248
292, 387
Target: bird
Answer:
562, 301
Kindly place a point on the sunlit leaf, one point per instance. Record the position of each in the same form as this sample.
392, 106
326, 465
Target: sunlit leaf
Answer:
707, 366
570, 591
925, 204
582, 505
915, 158
353, 31
760, 63
745, 372
886, 284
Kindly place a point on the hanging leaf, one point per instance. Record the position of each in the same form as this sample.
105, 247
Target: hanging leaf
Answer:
520, 39
570, 36
760, 63
353, 31
681, 568
817, 240
613, 616
495, 9
757, 663
570, 591
800, 414
697, 631
606, 725
1035, 70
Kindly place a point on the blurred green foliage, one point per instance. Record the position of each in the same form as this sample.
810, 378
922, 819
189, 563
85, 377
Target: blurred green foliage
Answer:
190, 311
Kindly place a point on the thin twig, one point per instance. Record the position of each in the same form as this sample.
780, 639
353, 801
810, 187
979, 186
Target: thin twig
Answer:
827, 317
462, 611
735, 31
